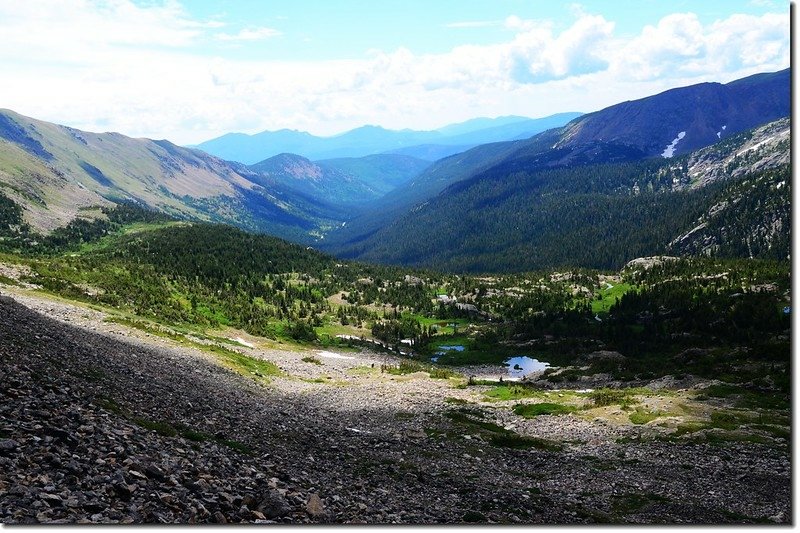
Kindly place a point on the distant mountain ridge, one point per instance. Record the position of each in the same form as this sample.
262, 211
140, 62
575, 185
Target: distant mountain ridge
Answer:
448, 216
616, 182
349, 181
370, 140
57, 173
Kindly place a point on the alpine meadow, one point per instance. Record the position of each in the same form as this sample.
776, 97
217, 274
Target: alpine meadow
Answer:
396, 263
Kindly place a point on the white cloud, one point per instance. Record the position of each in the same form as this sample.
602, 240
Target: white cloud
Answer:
249, 34
679, 45
124, 67
60, 27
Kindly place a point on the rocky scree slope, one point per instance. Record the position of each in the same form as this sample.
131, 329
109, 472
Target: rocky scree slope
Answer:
94, 429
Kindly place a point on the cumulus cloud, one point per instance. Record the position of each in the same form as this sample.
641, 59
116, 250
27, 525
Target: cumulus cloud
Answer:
679, 45
116, 65
580, 49
69, 25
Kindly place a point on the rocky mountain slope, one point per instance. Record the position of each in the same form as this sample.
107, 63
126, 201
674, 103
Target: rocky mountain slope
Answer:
751, 219
101, 423
57, 173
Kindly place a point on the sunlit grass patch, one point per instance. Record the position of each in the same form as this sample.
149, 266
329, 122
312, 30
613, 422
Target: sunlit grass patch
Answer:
513, 392
642, 416
531, 410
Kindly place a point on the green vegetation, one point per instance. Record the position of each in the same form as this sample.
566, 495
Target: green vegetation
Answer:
605, 397
513, 392
244, 364
609, 296
167, 429
410, 367
497, 435
640, 416
634, 502
521, 442
531, 410
162, 428
708, 317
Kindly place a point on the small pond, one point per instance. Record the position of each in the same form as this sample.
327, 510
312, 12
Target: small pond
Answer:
443, 349
523, 365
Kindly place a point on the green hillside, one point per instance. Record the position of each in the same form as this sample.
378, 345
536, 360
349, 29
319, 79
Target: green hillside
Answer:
56, 173
204, 277
538, 208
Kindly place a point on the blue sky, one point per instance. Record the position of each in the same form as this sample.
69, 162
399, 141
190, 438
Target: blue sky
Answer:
337, 29
192, 70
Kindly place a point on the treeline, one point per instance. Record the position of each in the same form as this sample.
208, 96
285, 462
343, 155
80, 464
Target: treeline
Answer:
18, 237
215, 275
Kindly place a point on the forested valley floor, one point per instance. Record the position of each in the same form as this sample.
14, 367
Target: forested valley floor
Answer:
164, 372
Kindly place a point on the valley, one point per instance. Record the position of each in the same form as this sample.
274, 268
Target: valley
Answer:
170, 432
577, 319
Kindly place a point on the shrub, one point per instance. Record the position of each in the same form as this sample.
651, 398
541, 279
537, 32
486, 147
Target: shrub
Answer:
604, 397
531, 410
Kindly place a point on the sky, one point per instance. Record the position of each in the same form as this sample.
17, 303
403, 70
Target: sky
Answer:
192, 70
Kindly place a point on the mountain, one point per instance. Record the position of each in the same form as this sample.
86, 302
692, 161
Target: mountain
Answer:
431, 152
517, 129
426, 185
681, 120
596, 215
369, 140
628, 131
381, 172
481, 123
605, 176
249, 149
348, 180
296, 173
57, 173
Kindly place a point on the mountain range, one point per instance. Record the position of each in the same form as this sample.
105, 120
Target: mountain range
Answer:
369, 140
648, 176
57, 173
459, 201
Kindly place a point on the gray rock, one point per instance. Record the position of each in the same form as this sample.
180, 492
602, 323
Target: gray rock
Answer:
7, 446
274, 505
314, 506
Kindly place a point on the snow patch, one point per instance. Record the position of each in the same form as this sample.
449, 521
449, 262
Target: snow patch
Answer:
333, 355
669, 151
243, 342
